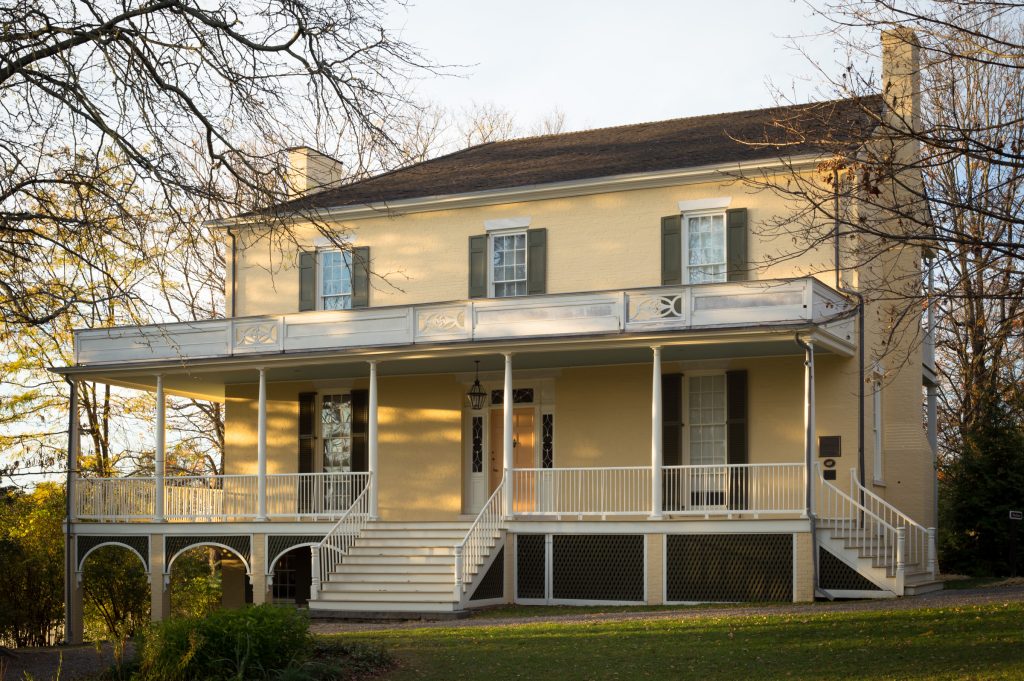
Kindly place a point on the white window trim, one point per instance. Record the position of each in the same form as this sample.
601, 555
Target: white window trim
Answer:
696, 205
878, 464
490, 258
319, 284
500, 224
685, 238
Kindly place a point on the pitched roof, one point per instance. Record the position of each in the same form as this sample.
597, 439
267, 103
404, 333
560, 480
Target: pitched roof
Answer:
736, 137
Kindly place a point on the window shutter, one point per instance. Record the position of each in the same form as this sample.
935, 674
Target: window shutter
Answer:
736, 435
478, 266
307, 431
672, 250
536, 261
360, 420
736, 244
672, 419
307, 281
361, 276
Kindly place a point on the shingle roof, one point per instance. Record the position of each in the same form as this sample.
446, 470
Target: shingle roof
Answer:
644, 147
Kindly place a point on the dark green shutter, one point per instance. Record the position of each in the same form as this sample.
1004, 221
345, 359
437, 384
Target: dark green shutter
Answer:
361, 276
307, 281
360, 421
536, 261
736, 244
478, 266
307, 431
672, 250
736, 405
671, 438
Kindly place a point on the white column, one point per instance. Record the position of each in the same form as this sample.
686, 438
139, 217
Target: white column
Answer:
809, 423
506, 448
161, 451
657, 458
371, 445
261, 449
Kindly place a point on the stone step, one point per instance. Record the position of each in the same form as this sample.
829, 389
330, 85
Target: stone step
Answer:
400, 560
346, 587
403, 540
445, 535
406, 576
324, 608
394, 568
408, 598
401, 551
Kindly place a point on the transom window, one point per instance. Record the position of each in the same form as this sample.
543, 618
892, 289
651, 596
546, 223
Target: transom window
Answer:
336, 432
508, 264
335, 280
707, 420
705, 248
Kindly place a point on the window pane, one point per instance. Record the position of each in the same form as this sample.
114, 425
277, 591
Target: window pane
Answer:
508, 268
336, 432
705, 248
335, 278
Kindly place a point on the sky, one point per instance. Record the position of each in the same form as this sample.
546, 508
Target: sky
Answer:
609, 63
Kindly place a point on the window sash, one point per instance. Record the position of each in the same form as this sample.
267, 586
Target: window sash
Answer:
705, 238
508, 268
335, 280
336, 433
706, 420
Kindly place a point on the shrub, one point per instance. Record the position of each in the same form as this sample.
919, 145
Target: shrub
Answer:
252, 643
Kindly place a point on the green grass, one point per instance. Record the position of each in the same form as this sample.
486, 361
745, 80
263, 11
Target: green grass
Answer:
975, 642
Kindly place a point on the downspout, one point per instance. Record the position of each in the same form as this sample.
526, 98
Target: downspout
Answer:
69, 557
234, 271
860, 334
809, 422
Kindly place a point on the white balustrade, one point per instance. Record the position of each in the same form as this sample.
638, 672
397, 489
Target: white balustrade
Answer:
479, 541
108, 499
734, 488
210, 497
336, 543
712, 305
581, 491
313, 495
918, 538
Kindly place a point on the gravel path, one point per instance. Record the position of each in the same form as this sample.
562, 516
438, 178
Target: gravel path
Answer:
74, 662
937, 599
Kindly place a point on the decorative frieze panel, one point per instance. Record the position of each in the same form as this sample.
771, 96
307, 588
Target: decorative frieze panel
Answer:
548, 316
259, 336
660, 309
443, 323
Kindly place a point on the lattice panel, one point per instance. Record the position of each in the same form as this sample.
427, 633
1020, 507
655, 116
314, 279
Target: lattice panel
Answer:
519, 396
238, 543
729, 567
530, 566
138, 542
493, 583
279, 543
598, 567
835, 574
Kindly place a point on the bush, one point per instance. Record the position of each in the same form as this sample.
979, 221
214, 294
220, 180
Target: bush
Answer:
252, 643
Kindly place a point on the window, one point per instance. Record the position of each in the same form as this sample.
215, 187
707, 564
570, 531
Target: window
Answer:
335, 280
508, 264
704, 248
336, 432
706, 419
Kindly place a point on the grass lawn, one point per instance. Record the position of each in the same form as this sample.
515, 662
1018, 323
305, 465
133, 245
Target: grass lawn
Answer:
972, 642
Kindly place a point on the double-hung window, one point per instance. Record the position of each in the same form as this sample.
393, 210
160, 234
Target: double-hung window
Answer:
335, 280
508, 264
336, 432
704, 248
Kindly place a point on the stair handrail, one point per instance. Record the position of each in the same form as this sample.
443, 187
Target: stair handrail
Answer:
474, 548
835, 505
920, 539
339, 539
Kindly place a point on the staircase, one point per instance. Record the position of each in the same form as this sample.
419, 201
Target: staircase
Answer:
873, 549
395, 567
366, 568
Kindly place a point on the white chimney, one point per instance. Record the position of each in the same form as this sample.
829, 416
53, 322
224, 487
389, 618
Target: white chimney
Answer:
901, 79
310, 171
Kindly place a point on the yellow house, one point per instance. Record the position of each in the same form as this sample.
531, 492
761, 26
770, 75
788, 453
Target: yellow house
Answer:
562, 369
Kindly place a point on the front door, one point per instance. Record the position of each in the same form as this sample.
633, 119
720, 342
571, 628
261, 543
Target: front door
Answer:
523, 451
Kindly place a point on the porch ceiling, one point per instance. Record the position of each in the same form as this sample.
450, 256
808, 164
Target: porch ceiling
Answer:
207, 379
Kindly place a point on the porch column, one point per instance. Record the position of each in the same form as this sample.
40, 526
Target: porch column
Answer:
656, 428
809, 423
161, 450
72, 588
371, 436
506, 448
261, 449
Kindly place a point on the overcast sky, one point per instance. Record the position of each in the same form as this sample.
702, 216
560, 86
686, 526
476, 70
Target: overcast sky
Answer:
608, 63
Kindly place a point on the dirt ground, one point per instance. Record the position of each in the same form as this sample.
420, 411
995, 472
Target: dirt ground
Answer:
81, 662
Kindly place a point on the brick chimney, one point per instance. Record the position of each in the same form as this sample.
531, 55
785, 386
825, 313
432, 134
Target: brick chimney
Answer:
311, 171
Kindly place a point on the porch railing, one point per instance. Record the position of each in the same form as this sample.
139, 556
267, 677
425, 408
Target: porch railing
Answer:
581, 491
734, 488
335, 545
218, 497
920, 541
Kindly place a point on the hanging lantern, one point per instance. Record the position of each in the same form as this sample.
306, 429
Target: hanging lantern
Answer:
476, 394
